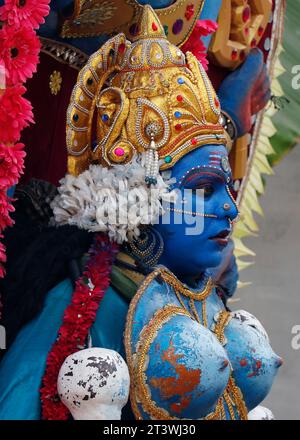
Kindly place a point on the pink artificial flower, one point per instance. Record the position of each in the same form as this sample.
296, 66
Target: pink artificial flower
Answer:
30, 13
5, 208
2, 259
19, 51
2, 78
205, 27
194, 44
16, 114
2, 275
2, 251
11, 164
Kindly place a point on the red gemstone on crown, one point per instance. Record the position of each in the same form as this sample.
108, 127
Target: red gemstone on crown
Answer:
154, 27
217, 104
122, 48
246, 14
194, 141
260, 31
189, 12
178, 127
234, 54
254, 42
179, 98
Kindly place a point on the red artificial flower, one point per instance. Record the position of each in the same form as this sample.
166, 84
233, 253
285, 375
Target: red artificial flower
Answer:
194, 44
30, 13
16, 114
2, 258
11, 164
5, 208
205, 27
2, 78
19, 51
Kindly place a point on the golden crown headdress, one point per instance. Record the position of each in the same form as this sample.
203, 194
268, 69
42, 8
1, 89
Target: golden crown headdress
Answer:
137, 96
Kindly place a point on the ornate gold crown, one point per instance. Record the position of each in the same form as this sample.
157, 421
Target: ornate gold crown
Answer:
141, 96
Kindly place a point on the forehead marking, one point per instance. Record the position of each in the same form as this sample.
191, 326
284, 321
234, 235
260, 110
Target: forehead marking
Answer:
200, 170
215, 159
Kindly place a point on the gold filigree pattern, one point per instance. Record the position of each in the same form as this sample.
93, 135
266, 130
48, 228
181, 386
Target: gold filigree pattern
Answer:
64, 53
55, 82
98, 15
102, 17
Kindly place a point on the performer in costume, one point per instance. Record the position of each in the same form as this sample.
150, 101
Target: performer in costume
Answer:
158, 127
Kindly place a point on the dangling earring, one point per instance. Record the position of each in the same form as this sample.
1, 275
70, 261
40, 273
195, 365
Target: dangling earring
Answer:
147, 248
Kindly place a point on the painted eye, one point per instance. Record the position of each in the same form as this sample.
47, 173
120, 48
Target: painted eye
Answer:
205, 190
208, 191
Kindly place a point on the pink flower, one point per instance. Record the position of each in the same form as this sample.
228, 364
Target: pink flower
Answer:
2, 275
2, 258
205, 27
19, 51
16, 114
5, 208
2, 77
29, 13
11, 164
194, 44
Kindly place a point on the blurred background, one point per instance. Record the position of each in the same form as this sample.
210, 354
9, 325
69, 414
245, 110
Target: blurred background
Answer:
274, 296
274, 293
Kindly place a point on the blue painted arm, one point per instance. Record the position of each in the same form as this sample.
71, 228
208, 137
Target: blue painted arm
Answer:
246, 91
226, 275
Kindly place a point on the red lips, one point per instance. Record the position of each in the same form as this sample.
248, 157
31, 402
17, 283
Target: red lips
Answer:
222, 238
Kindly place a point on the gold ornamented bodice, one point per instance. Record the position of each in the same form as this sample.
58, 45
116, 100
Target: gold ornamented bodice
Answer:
230, 405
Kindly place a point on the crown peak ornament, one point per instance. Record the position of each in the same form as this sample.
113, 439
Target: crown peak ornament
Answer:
147, 97
149, 26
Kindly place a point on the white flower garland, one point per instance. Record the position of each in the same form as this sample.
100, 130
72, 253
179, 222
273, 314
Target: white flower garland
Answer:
114, 200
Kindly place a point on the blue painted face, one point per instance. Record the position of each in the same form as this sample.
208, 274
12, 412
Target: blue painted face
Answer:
206, 173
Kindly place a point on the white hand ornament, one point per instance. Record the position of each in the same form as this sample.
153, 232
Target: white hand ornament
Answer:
94, 384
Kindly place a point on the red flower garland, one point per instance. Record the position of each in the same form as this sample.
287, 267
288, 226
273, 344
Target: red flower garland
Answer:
12, 164
79, 316
2, 260
16, 114
19, 50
